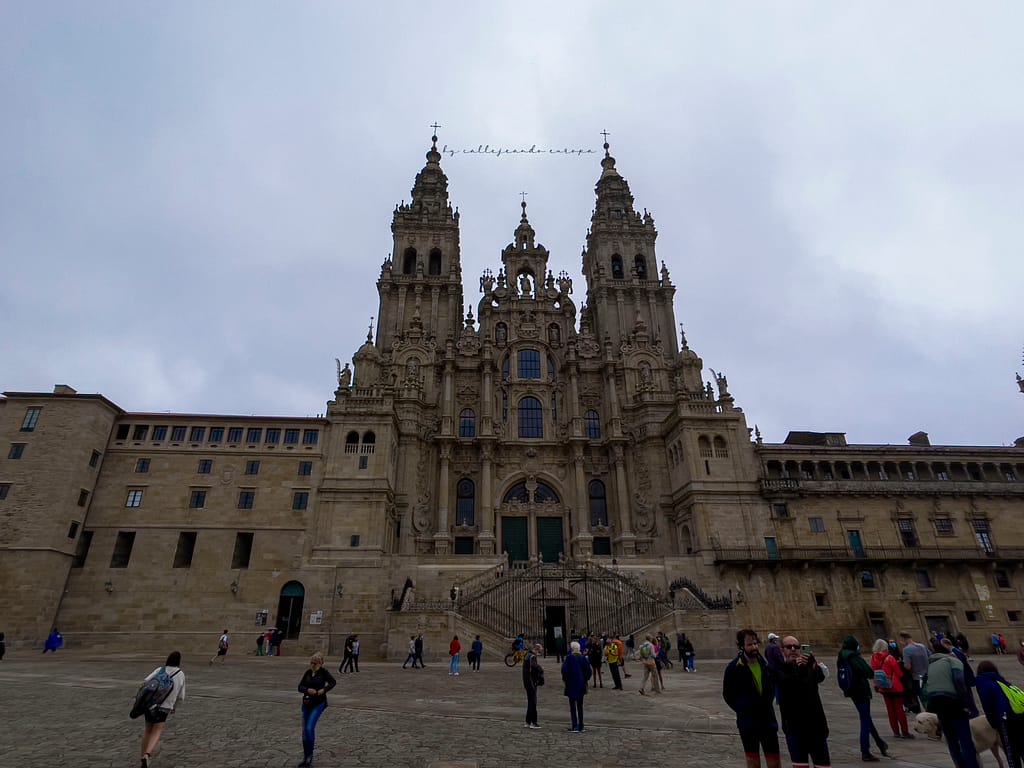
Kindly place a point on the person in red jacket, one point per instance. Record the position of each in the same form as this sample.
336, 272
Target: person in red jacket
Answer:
885, 662
454, 649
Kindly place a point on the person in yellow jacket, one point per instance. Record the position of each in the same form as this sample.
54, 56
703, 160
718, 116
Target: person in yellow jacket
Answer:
611, 657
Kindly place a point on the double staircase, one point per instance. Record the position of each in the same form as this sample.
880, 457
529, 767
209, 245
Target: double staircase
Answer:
532, 598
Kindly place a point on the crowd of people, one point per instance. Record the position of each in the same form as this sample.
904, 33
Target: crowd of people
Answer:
910, 677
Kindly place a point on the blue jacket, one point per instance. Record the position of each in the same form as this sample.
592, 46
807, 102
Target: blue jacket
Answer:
575, 673
994, 703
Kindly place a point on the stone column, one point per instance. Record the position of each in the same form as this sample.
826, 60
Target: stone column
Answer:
625, 537
441, 536
584, 539
486, 537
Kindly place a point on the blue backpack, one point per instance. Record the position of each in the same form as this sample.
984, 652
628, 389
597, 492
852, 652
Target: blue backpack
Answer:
153, 693
844, 675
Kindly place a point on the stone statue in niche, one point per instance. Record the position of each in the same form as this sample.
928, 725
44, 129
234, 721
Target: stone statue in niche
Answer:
554, 335
412, 368
500, 334
525, 289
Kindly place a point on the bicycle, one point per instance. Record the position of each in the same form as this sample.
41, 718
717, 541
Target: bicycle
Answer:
513, 658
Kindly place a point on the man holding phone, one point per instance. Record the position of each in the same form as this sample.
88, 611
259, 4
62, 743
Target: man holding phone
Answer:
803, 717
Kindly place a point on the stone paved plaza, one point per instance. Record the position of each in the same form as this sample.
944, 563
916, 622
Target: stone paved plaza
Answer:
70, 710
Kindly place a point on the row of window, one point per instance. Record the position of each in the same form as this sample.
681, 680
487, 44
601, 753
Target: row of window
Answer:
893, 470
205, 467
639, 265
533, 425
197, 498
905, 527
923, 578
252, 435
125, 543
465, 500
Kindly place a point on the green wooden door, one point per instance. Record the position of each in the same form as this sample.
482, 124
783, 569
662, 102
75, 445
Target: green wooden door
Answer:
513, 538
549, 538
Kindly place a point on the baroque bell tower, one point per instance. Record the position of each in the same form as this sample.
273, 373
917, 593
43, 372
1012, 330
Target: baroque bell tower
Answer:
626, 293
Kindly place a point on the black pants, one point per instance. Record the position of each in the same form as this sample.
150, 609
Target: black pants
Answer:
614, 669
531, 706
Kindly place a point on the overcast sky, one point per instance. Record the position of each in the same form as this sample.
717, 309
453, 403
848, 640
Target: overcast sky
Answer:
196, 198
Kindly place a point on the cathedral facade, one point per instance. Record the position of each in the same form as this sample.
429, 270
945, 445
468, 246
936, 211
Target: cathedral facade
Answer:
563, 432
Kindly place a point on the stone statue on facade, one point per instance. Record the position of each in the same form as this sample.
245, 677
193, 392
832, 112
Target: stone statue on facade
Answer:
344, 375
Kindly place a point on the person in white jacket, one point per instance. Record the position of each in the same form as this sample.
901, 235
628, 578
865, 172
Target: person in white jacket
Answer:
156, 717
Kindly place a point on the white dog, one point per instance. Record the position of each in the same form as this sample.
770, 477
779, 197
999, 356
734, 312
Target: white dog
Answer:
984, 735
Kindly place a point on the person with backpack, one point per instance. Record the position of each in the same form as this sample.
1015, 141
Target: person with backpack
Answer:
854, 675
649, 660
222, 649
575, 674
889, 683
314, 685
533, 678
1003, 705
948, 700
748, 687
160, 702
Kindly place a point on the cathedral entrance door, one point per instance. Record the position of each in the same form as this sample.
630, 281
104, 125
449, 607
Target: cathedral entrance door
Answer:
289, 609
513, 538
549, 538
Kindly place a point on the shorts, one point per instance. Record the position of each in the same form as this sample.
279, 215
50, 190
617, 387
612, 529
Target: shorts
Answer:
156, 715
222, 651
762, 736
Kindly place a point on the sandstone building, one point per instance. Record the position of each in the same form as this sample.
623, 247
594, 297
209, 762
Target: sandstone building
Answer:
550, 460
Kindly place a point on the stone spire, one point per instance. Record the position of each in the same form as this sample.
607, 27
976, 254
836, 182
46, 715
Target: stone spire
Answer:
429, 192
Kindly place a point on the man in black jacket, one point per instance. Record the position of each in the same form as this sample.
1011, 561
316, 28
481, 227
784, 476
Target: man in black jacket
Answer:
803, 717
533, 675
749, 689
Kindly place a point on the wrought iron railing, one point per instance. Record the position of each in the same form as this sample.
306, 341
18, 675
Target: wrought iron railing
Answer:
513, 600
706, 600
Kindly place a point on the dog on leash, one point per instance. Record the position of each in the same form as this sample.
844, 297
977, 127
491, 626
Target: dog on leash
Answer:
985, 736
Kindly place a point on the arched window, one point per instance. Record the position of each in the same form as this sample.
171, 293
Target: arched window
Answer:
598, 503
592, 424
465, 502
531, 418
435, 262
721, 450
369, 440
544, 493
352, 442
467, 423
617, 266
640, 264
518, 493
529, 364
704, 447
409, 261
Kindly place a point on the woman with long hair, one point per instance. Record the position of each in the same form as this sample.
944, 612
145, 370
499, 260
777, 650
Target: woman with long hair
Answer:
157, 716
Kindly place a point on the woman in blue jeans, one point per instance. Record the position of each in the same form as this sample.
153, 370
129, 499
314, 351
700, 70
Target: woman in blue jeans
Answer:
315, 684
860, 694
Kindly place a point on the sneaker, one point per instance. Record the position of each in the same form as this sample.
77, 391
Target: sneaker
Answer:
534, 725
869, 758
456, 674
907, 736
526, 725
